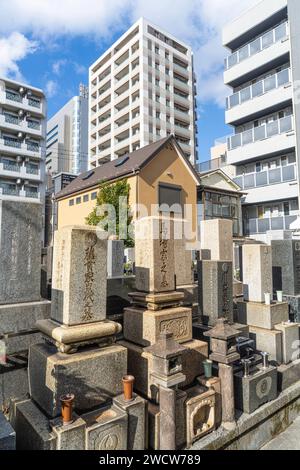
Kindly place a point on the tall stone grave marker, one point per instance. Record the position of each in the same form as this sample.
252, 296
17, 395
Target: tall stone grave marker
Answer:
115, 258
216, 236
286, 266
257, 272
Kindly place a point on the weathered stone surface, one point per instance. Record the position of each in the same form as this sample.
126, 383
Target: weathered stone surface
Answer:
106, 429
253, 391
294, 304
262, 315
216, 236
137, 412
227, 392
115, 258
13, 380
167, 419
7, 434
257, 272
20, 252
269, 341
215, 384
183, 263
286, 266
290, 341
154, 254
288, 375
94, 376
215, 290
16, 344
144, 326
32, 428
23, 316
79, 276
71, 436
238, 289
192, 360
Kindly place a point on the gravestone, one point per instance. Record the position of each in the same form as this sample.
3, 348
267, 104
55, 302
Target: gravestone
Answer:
257, 272
115, 258
215, 291
20, 252
286, 266
216, 236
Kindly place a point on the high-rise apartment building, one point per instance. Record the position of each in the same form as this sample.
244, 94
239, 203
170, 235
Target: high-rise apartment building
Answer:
263, 69
141, 89
22, 142
67, 137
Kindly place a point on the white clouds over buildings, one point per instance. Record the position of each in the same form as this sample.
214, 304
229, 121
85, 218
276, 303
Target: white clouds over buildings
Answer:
197, 22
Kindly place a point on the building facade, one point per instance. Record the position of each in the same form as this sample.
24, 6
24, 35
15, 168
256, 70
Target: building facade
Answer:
141, 90
22, 142
262, 69
67, 137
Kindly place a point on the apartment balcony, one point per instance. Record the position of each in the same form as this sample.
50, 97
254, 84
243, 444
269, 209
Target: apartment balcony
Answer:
12, 192
182, 100
270, 139
261, 226
104, 94
263, 52
122, 127
181, 70
17, 101
104, 138
182, 115
14, 170
13, 146
181, 85
182, 131
184, 146
103, 109
14, 123
264, 186
122, 111
268, 94
121, 143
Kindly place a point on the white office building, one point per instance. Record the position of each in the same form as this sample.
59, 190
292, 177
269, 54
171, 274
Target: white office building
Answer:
22, 142
142, 89
67, 137
262, 68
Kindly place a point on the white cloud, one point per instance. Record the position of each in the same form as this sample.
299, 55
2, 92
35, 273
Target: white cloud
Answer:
51, 88
14, 48
58, 65
197, 22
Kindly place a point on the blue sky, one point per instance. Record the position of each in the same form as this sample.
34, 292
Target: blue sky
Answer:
51, 44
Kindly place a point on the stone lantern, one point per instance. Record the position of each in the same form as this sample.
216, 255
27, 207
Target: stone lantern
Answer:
167, 374
224, 351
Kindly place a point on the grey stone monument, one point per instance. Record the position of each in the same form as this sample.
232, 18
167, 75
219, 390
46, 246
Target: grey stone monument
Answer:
115, 258
286, 266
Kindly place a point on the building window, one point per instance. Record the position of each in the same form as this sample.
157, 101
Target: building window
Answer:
167, 71
156, 50
157, 115
85, 198
157, 98
71, 202
78, 200
167, 55
149, 45
168, 103
157, 81
93, 196
156, 65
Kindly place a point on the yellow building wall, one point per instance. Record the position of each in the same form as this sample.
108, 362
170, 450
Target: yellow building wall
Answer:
76, 214
167, 167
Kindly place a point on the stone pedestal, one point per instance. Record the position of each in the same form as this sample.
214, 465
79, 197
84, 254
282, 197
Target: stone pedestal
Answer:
257, 272
290, 341
216, 236
94, 376
258, 388
261, 315
137, 412
144, 326
269, 341
228, 406
167, 411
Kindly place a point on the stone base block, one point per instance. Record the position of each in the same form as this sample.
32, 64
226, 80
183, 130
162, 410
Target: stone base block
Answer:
94, 376
140, 365
143, 327
106, 429
243, 329
269, 341
290, 341
192, 361
200, 413
157, 301
257, 389
137, 412
261, 315
32, 428
288, 375
190, 294
7, 434
69, 338
13, 380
